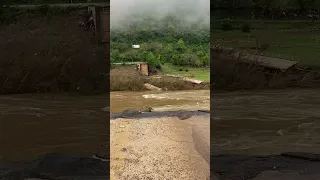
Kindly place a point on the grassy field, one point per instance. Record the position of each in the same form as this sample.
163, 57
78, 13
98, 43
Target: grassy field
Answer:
202, 74
293, 40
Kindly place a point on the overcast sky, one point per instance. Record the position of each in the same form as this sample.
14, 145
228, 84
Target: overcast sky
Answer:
197, 9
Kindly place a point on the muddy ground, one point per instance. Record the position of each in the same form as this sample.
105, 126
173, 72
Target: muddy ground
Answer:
286, 166
46, 50
126, 78
228, 73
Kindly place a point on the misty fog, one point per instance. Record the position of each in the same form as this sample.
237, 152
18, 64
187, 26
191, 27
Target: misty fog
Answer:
191, 11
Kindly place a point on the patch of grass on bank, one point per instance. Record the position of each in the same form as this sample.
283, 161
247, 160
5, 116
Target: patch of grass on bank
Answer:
202, 74
299, 44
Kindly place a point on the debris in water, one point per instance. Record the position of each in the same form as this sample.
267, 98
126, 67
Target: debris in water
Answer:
280, 132
146, 109
152, 87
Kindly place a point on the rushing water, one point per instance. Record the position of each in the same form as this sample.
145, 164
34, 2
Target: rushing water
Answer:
160, 101
32, 125
268, 122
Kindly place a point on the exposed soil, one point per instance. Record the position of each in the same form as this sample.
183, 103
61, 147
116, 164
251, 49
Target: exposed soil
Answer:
228, 73
287, 166
50, 52
126, 78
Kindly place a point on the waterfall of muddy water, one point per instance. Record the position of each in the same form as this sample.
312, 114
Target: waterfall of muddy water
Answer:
32, 125
160, 101
264, 123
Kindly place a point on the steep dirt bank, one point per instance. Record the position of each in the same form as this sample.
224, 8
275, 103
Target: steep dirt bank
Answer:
47, 51
126, 78
228, 73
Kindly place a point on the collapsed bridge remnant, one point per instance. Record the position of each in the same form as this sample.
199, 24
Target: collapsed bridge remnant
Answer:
259, 60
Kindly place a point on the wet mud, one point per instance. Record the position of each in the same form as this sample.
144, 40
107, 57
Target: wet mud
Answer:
182, 115
230, 73
57, 167
241, 167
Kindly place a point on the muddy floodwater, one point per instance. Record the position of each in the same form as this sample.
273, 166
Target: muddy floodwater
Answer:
160, 101
266, 122
32, 125
248, 122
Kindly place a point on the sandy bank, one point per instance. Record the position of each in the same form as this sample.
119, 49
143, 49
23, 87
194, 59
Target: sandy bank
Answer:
157, 148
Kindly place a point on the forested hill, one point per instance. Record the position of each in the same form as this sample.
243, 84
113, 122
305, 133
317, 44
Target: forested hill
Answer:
163, 40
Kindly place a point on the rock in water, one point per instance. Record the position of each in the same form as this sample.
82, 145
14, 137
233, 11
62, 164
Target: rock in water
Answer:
146, 109
129, 113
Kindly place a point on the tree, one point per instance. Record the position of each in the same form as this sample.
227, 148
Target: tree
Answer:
181, 46
152, 60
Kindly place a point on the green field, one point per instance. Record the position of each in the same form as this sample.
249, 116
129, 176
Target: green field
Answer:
202, 74
293, 40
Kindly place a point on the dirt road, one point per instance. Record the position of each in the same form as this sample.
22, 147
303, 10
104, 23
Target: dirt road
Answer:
160, 148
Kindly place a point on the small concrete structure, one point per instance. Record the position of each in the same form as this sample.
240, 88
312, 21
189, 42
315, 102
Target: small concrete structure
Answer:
101, 19
143, 68
269, 62
263, 61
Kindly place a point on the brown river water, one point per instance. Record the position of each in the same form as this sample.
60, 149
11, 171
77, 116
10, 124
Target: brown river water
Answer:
32, 125
266, 122
262, 122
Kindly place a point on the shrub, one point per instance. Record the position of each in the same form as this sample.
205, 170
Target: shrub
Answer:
44, 9
246, 28
226, 24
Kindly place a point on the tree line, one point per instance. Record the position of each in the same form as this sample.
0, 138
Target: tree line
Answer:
277, 9
303, 5
9, 2
162, 40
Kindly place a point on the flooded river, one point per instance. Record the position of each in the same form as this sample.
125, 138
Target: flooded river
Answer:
160, 101
264, 122
268, 122
32, 125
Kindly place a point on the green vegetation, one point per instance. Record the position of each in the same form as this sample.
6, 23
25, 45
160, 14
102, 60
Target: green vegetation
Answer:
286, 29
10, 14
12, 2
293, 40
163, 40
202, 74
267, 9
